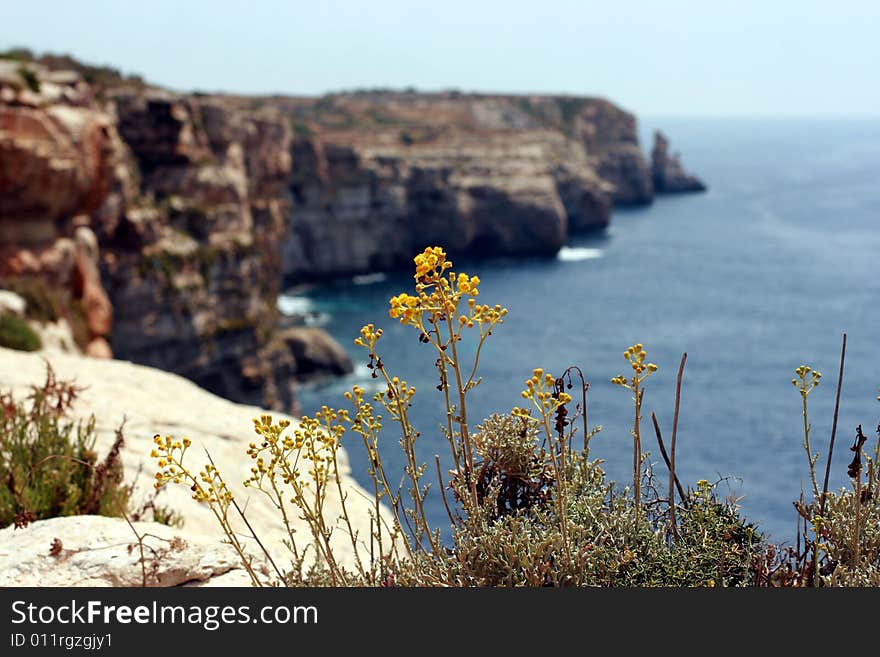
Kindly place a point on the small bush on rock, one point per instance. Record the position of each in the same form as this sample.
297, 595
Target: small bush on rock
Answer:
48, 463
15, 333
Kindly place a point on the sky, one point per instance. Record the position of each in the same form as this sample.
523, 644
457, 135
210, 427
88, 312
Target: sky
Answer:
757, 58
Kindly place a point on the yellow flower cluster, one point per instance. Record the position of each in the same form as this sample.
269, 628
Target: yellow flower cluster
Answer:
369, 336
540, 391
355, 395
365, 422
806, 380
401, 389
207, 485
483, 314
430, 265
439, 293
635, 356
315, 441
169, 453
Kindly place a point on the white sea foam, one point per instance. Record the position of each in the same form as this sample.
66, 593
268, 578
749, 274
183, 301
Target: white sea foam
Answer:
575, 254
291, 305
366, 279
317, 319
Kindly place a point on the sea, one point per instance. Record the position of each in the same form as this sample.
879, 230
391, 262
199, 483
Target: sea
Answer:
764, 272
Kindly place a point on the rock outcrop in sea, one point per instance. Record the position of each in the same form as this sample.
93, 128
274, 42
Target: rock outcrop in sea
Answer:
161, 226
668, 172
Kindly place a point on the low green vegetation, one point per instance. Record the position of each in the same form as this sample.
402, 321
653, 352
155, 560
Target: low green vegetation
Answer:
42, 303
47, 305
48, 463
49, 466
16, 333
30, 78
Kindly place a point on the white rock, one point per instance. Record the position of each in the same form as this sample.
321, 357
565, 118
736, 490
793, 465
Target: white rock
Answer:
12, 302
101, 551
57, 337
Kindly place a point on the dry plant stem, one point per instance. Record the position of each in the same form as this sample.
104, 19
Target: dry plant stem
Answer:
413, 467
809, 449
872, 467
248, 525
473, 373
452, 520
444, 383
833, 427
231, 535
236, 544
815, 562
668, 461
381, 488
672, 475
379, 477
256, 538
278, 502
637, 448
857, 534
140, 540
377, 510
313, 515
351, 533
560, 478
462, 413
584, 410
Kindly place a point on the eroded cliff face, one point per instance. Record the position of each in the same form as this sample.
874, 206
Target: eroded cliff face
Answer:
381, 175
195, 253
169, 222
159, 217
56, 157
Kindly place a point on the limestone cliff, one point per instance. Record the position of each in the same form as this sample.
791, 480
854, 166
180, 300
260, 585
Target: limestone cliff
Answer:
163, 225
378, 176
56, 159
152, 223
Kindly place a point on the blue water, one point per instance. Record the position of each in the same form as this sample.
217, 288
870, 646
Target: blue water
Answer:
757, 276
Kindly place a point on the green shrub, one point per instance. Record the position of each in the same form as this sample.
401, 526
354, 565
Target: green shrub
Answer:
47, 305
42, 303
18, 55
843, 534
48, 463
301, 129
15, 333
30, 78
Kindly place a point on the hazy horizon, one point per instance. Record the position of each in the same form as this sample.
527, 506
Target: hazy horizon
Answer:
785, 59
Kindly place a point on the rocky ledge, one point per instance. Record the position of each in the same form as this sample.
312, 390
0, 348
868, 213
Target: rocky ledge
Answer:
101, 551
150, 401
